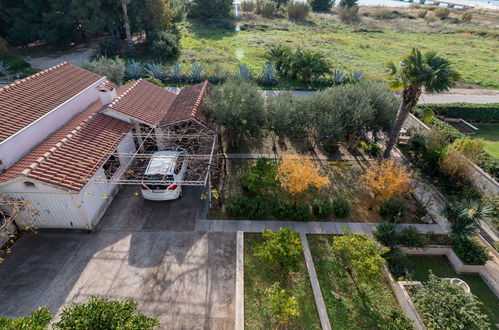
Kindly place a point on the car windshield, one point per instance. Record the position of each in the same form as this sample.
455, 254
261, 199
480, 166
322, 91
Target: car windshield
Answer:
158, 177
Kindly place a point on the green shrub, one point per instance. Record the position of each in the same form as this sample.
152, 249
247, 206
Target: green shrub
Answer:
466, 17
321, 207
163, 45
349, 15
411, 237
251, 208
101, 313
372, 149
297, 10
265, 8
451, 132
392, 210
113, 69
37, 320
281, 250
155, 81
386, 234
322, 5
280, 305
484, 113
282, 209
301, 212
441, 13
247, 6
110, 46
471, 251
260, 176
341, 207
397, 262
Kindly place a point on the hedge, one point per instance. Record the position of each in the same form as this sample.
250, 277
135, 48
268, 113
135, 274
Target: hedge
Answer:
481, 113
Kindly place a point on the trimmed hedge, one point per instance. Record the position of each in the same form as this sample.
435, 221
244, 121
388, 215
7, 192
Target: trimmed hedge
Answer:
481, 113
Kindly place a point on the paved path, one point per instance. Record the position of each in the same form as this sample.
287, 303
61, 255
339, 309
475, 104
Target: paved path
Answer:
455, 95
334, 228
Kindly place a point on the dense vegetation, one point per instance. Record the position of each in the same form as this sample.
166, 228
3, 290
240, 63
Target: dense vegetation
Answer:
477, 113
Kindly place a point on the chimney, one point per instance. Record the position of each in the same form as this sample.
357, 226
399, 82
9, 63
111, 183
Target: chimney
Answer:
107, 92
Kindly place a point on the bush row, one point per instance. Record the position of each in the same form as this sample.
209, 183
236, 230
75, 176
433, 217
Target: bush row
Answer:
482, 113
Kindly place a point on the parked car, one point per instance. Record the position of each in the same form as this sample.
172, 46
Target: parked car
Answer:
168, 166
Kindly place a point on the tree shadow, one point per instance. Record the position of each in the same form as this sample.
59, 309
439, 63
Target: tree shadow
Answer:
212, 30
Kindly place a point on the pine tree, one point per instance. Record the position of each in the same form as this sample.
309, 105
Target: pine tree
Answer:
211, 9
321, 5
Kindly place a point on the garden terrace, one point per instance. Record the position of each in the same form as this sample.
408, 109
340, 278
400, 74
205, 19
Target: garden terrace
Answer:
419, 267
345, 183
258, 276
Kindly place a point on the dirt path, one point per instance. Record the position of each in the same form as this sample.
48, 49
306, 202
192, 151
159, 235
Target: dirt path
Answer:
76, 57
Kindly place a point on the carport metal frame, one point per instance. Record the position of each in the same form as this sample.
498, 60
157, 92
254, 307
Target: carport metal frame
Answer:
201, 153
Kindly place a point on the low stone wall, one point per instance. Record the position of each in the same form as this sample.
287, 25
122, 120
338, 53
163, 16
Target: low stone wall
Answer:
482, 180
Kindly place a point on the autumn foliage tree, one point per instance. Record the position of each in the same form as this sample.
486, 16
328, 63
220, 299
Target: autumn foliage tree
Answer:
296, 174
387, 179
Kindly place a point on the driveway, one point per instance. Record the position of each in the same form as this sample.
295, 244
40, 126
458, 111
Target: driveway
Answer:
146, 251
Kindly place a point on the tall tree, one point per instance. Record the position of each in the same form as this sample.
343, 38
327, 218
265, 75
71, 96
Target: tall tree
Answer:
126, 22
321, 5
415, 72
156, 16
211, 9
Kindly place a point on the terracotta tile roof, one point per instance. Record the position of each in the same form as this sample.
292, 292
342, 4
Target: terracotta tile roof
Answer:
88, 138
26, 100
189, 105
144, 101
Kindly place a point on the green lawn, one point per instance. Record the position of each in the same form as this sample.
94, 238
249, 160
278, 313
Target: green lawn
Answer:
420, 267
348, 312
364, 47
490, 133
258, 277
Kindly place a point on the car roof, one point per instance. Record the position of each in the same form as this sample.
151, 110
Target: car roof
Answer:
162, 163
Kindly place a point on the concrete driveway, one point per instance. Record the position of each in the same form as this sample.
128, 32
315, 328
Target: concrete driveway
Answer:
146, 251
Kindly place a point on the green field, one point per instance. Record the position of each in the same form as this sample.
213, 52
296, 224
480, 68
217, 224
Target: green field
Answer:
490, 133
365, 47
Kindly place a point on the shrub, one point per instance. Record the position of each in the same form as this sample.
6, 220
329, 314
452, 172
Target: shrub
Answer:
470, 148
322, 5
297, 10
101, 313
467, 111
392, 210
260, 176
155, 81
441, 13
247, 6
422, 13
397, 262
443, 305
466, 17
321, 207
113, 69
411, 237
301, 212
341, 207
280, 305
164, 45
372, 149
251, 208
282, 209
265, 8
37, 320
349, 15
281, 250
456, 167
386, 234
471, 251
110, 46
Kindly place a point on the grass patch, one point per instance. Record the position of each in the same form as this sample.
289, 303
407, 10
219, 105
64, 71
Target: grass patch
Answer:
347, 312
490, 133
420, 266
373, 43
258, 277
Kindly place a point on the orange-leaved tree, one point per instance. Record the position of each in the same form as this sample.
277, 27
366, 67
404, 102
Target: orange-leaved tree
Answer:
387, 179
296, 174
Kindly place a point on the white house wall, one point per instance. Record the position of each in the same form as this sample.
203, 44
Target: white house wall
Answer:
16, 146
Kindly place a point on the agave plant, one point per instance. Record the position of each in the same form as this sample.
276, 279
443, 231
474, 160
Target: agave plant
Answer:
338, 76
4, 69
243, 72
134, 69
268, 76
176, 73
196, 73
356, 76
156, 70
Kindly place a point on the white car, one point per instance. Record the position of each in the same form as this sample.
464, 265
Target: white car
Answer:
168, 165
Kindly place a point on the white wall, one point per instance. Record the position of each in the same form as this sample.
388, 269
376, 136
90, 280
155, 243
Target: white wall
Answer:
18, 145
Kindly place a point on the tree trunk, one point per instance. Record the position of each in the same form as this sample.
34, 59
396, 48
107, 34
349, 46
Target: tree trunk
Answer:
410, 96
126, 22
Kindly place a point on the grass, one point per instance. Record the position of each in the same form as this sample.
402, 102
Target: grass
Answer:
365, 47
420, 266
490, 133
348, 312
258, 277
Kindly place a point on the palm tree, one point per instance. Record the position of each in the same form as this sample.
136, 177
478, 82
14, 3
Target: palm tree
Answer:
307, 64
414, 72
464, 218
126, 21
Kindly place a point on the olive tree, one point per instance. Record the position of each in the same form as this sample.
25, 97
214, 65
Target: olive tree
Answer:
238, 107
